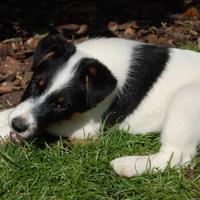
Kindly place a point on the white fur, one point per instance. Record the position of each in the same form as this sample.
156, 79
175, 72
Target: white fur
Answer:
182, 69
4, 126
114, 53
171, 107
179, 139
24, 110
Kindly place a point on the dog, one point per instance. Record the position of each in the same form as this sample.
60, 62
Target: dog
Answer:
141, 87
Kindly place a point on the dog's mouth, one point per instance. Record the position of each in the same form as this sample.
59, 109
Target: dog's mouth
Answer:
29, 134
17, 138
40, 140
14, 137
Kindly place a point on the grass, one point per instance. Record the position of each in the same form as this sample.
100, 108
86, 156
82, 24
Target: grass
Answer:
191, 46
79, 170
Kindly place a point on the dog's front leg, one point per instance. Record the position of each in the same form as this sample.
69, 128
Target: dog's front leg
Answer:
179, 138
4, 126
80, 128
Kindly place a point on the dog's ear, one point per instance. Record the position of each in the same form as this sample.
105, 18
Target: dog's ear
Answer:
50, 48
98, 80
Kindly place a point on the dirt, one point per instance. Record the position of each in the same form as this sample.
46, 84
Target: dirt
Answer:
77, 21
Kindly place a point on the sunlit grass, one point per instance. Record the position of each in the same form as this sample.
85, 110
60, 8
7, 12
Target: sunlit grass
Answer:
79, 170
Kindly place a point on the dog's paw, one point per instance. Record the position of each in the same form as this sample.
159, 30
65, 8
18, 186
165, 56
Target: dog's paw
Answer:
125, 166
135, 165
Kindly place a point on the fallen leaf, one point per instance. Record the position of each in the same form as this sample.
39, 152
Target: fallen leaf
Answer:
129, 33
32, 42
112, 26
5, 89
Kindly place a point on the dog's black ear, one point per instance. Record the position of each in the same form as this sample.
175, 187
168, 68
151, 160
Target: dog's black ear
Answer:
99, 81
50, 48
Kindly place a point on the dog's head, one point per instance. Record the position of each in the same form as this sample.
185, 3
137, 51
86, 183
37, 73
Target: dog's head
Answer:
65, 82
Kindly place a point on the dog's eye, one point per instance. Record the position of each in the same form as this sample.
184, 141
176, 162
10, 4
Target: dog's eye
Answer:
58, 103
58, 106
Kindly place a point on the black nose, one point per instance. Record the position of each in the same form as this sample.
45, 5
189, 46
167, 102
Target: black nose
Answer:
19, 125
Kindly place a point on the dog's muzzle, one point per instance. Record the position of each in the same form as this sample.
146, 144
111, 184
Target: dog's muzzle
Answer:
22, 122
19, 124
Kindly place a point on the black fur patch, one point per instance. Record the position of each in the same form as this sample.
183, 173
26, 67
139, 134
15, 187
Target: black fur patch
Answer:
102, 82
78, 98
148, 64
50, 55
52, 48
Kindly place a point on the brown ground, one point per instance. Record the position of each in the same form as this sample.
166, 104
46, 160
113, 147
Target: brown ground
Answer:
166, 23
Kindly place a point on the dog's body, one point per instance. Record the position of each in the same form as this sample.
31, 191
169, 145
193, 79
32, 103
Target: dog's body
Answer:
142, 87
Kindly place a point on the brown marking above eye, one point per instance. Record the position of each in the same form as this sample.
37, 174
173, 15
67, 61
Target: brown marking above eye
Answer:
93, 70
60, 99
75, 115
41, 82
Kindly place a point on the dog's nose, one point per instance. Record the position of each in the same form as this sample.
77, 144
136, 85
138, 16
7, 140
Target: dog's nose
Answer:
19, 125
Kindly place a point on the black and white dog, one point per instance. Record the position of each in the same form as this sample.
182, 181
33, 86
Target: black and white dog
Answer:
142, 87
